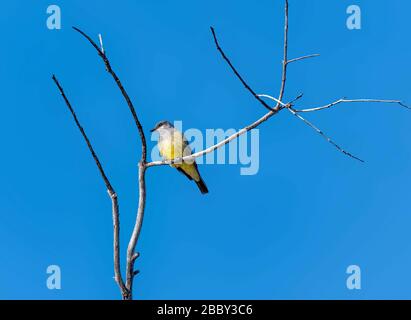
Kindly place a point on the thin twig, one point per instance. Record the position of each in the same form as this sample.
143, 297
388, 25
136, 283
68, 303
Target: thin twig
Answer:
113, 196
291, 103
100, 39
275, 99
285, 105
323, 135
236, 72
294, 112
303, 58
123, 91
83, 133
343, 100
285, 54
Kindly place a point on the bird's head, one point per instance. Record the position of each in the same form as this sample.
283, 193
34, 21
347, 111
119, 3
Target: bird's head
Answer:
162, 125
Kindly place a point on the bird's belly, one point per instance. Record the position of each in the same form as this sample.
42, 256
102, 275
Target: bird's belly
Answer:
170, 150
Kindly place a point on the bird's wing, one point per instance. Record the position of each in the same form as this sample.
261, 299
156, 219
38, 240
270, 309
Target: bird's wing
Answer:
181, 145
185, 173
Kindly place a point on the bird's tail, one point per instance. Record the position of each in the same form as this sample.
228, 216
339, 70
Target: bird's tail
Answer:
202, 186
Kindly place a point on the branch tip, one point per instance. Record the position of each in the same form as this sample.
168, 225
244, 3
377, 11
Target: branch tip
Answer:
303, 58
135, 256
404, 105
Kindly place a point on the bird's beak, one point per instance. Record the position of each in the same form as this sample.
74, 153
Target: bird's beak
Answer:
154, 129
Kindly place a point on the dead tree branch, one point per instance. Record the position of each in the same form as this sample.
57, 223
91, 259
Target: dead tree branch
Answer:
303, 58
285, 53
142, 166
110, 190
109, 69
319, 131
343, 100
236, 72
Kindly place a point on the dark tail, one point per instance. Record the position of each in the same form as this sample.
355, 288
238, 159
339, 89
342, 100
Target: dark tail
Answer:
202, 186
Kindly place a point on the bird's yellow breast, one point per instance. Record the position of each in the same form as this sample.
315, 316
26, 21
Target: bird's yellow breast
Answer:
171, 147
174, 147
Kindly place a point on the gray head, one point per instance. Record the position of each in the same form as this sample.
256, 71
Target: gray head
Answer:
162, 125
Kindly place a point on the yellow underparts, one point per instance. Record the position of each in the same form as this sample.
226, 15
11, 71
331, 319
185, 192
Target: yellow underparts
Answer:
174, 150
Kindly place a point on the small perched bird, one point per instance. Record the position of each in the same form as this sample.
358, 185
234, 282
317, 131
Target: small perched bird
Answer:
173, 145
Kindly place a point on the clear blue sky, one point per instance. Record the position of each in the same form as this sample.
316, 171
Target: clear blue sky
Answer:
288, 232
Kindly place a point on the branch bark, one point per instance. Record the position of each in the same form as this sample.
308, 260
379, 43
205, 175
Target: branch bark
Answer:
343, 100
131, 257
285, 53
303, 58
113, 196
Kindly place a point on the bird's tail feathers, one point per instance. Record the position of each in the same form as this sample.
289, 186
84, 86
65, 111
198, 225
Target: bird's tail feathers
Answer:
202, 186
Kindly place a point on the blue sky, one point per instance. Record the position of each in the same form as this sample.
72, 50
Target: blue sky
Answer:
288, 232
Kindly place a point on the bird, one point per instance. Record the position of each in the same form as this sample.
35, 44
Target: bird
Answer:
173, 145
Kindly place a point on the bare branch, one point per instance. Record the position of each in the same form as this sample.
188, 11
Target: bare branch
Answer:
83, 133
131, 255
123, 91
285, 105
303, 58
275, 99
100, 39
343, 100
135, 256
293, 111
236, 72
291, 103
323, 134
285, 57
110, 190
142, 167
